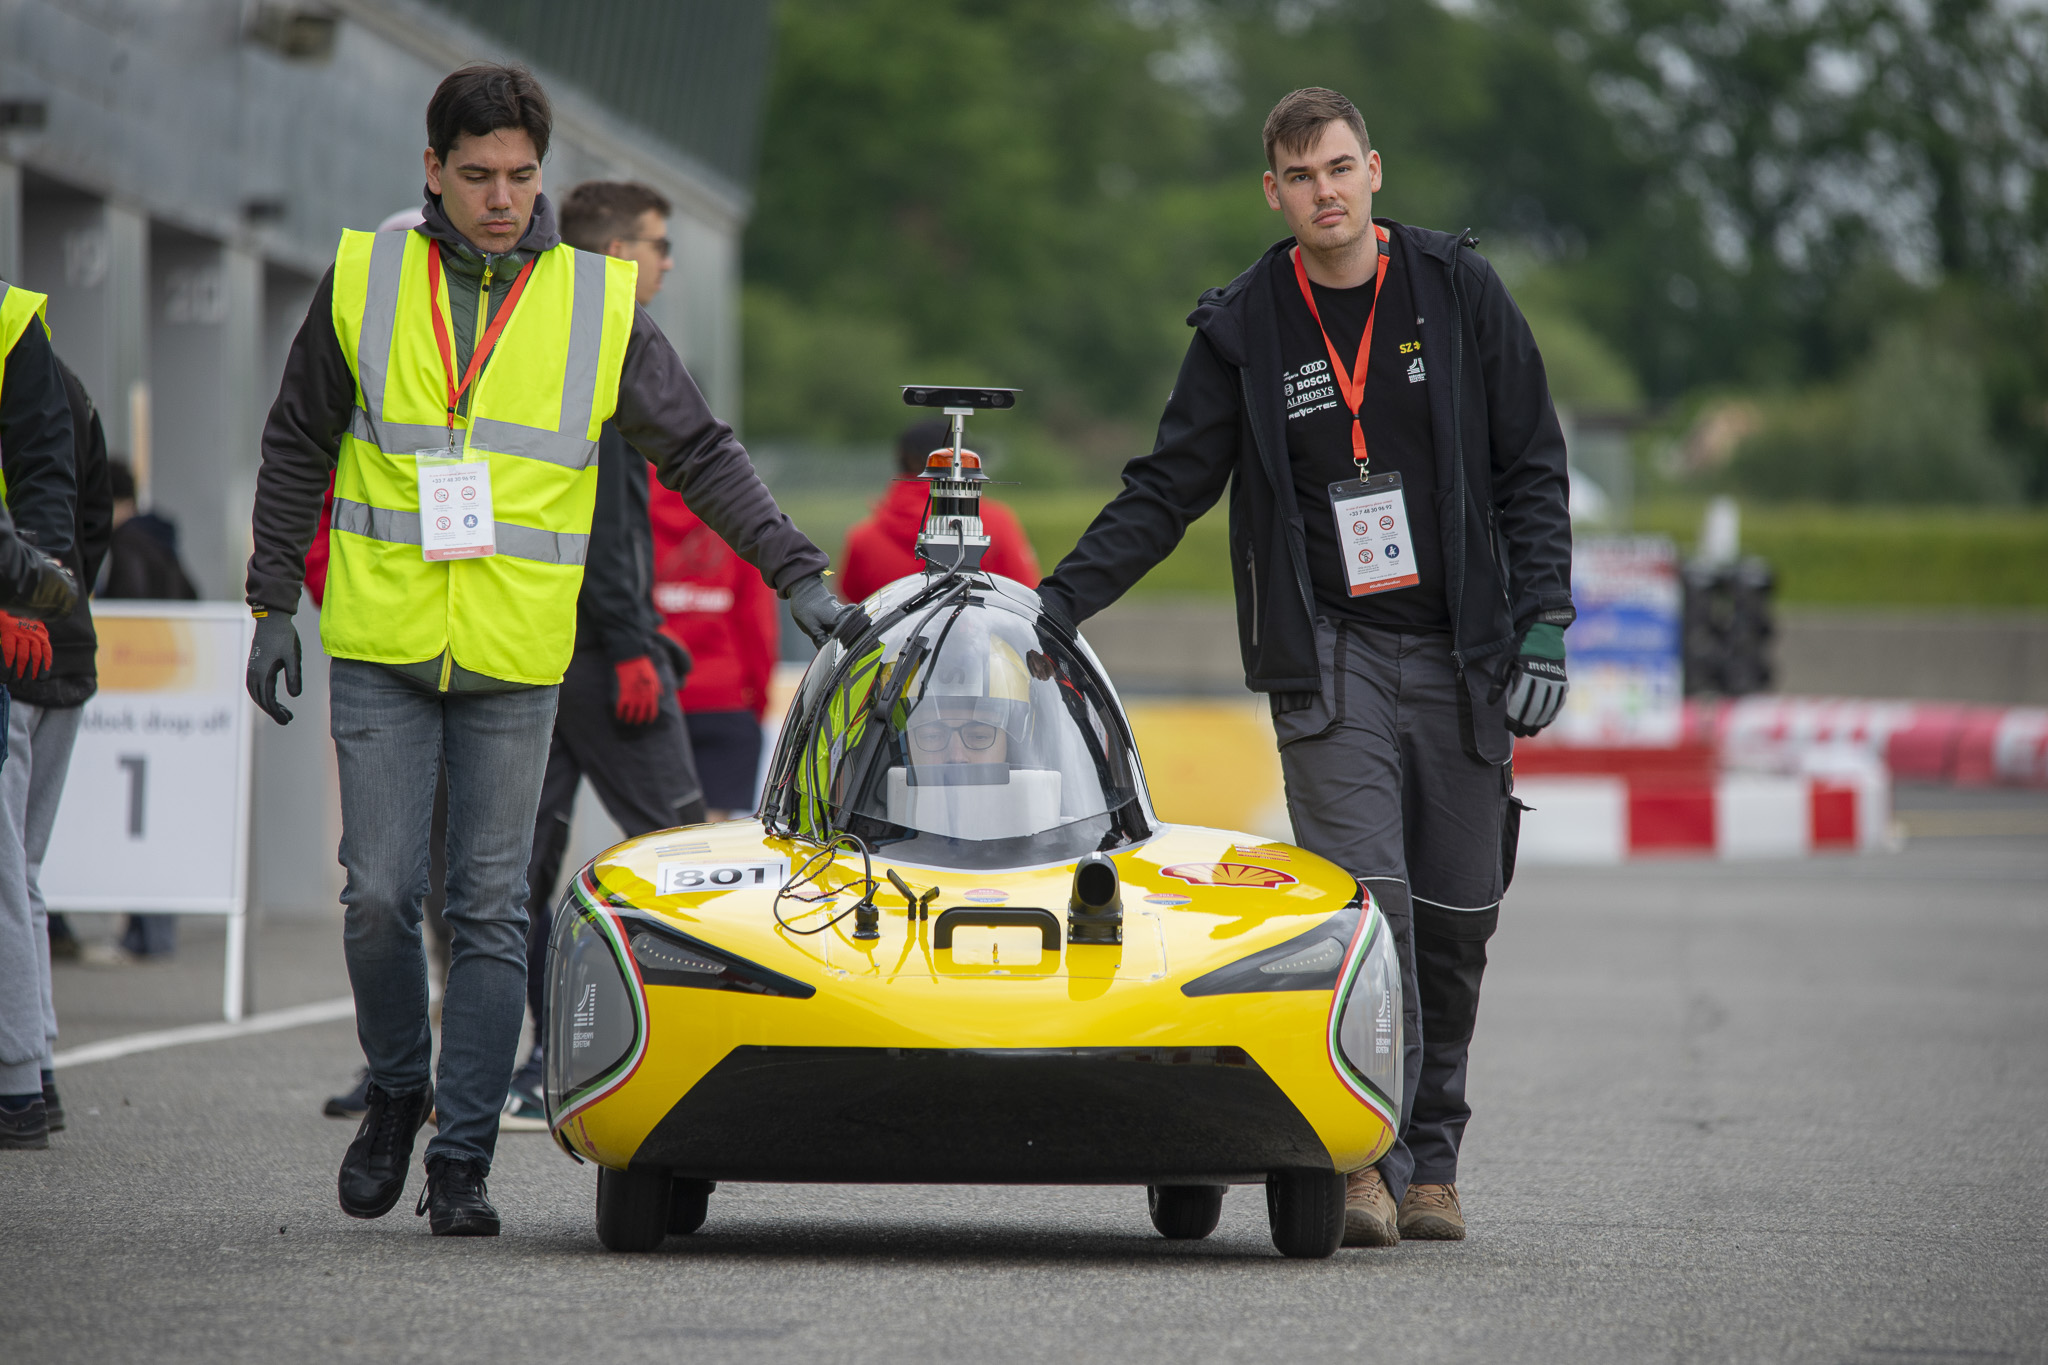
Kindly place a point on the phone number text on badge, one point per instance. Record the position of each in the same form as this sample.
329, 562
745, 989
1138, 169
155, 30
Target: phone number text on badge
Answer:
682, 879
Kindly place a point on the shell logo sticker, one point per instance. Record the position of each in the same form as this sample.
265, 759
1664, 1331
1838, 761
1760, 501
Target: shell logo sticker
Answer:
1229, 874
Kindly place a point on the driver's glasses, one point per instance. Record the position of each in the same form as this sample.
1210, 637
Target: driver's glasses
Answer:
933, 736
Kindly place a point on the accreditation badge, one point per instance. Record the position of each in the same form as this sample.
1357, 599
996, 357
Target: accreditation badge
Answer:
1372, 534
455, 507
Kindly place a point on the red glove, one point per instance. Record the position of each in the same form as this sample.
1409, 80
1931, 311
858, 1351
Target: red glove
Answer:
639, 691
25, 647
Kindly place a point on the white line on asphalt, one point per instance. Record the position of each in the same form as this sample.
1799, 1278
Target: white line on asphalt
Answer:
321, 1012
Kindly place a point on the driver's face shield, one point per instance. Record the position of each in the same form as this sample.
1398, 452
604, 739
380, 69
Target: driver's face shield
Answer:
965, 722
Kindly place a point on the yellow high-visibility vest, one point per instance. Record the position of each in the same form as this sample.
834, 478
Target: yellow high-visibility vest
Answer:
534, 415
17, 307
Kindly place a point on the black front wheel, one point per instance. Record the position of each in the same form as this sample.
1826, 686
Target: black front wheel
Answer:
1306, 1209
632, 1209
1185, 1213
688, 1202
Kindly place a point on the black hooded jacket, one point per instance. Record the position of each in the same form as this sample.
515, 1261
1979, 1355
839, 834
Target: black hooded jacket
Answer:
1500, 474
660, 412
74, 646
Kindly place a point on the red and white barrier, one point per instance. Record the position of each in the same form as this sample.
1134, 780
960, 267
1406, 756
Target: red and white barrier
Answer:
1581, 818
1919, 741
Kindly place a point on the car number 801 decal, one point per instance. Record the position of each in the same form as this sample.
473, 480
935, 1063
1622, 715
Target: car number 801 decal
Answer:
683, 879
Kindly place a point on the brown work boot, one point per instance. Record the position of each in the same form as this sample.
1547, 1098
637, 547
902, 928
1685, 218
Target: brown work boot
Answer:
1430, 1213
1369, 1216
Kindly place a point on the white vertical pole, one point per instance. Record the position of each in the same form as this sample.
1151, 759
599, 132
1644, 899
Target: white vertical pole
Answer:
231, 993
238, 905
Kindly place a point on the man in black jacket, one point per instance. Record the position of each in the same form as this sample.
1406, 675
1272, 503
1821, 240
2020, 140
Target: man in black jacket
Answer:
51, 674
618, 722
37, 462
1403, 627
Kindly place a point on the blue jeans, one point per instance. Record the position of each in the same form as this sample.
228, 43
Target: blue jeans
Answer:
389, 734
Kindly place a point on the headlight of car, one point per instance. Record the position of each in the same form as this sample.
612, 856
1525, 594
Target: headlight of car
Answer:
596, 1026
1307, 962
1365, 1022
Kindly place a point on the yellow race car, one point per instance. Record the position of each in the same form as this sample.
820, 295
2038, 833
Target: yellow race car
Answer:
957, 945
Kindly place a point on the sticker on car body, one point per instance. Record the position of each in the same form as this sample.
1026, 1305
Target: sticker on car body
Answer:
1243, 875
684, 879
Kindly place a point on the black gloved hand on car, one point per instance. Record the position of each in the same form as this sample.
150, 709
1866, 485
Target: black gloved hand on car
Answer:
818, 614
276, 648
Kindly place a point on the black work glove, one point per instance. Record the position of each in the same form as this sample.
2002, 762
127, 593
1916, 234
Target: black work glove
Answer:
35, 585
819, 615
55, 592
276, 647
1534, 682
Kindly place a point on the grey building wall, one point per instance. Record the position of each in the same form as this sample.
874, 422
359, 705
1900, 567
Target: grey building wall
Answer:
175, 179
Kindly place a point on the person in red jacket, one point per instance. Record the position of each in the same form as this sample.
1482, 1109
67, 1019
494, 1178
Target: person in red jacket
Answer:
716, 606
883, 548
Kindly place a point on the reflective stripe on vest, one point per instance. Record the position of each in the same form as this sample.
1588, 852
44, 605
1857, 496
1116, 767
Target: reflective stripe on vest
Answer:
17, 307
534, 415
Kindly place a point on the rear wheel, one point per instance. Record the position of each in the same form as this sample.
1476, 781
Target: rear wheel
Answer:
1185, 1212
632, 1209
688, 1202
1306, 1209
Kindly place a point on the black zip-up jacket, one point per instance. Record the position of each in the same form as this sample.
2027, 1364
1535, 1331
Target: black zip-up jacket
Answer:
660, 412
74, 645
615, 610
1500, 474
35, 445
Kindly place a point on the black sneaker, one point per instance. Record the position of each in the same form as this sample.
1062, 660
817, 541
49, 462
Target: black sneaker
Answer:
52, 1106
26, 1128
373, 1171
354, 1104
455, 1201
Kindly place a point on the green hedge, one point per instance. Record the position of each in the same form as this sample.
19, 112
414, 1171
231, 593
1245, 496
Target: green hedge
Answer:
1823, 555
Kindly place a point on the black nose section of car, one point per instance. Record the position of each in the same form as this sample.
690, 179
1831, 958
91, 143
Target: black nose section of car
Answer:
1095, 912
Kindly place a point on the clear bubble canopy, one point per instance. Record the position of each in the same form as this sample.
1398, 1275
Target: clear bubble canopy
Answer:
963, 729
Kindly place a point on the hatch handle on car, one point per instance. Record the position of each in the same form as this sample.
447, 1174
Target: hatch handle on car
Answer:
1047, 922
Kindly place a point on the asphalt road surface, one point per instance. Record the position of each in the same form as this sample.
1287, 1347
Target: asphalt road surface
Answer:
1783, 1112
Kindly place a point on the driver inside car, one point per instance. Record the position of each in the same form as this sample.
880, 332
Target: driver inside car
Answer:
956, 734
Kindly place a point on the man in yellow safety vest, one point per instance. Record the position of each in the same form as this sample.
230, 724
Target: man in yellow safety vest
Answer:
453, 379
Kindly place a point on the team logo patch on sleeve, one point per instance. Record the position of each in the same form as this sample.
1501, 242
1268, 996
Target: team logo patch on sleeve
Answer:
1229, 874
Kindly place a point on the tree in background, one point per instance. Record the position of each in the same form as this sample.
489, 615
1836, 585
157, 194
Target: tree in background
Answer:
1687, 197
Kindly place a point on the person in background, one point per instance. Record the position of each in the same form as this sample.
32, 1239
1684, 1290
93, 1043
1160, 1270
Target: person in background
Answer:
38, 463
141, 565
618, 722
883, 548
52, 673
721, 611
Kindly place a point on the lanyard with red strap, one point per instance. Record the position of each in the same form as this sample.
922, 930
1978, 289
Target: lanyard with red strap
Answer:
483, 348
1350, 383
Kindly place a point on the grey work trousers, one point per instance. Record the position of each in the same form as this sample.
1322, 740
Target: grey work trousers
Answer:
1380, 783
39, 742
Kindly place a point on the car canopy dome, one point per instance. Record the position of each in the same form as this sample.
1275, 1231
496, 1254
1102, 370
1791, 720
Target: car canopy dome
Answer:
960, 729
